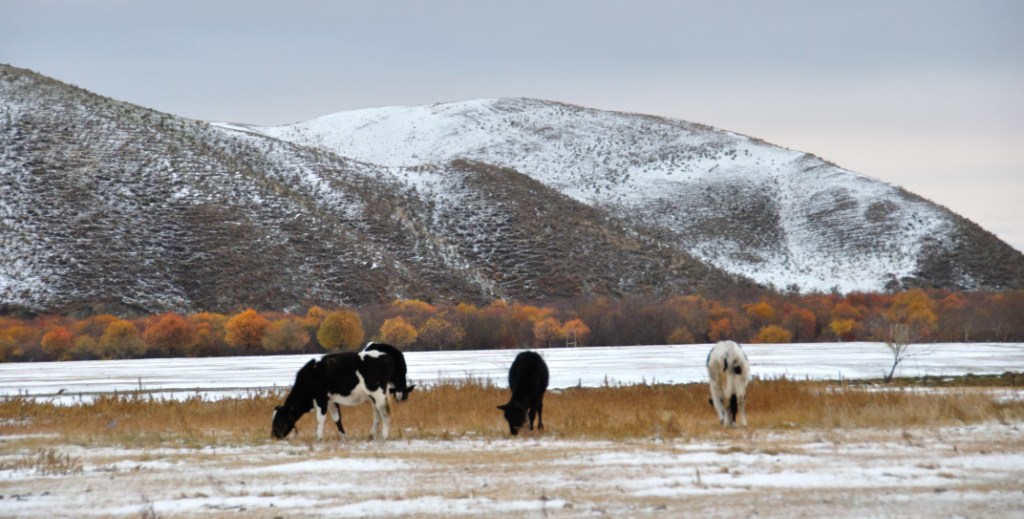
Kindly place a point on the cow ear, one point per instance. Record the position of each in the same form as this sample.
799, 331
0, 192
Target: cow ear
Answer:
410, 388
503, 407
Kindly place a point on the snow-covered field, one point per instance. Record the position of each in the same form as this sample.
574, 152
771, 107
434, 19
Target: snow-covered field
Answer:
589, 367
969, 470
966, 471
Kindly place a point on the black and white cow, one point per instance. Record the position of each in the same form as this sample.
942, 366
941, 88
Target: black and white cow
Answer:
528, 379
729, 373
338, 379
399, 384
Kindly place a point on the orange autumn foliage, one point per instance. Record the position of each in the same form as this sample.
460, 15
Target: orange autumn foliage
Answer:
170, 334
245, 330
341, 330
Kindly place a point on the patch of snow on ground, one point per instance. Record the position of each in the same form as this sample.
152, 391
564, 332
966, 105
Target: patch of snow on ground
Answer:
968, 471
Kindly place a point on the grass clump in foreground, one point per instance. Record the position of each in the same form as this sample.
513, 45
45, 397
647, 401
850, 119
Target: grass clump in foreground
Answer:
468, 409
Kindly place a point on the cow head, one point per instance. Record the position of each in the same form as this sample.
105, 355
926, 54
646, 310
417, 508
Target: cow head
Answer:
402, 393
515, 415
283, 421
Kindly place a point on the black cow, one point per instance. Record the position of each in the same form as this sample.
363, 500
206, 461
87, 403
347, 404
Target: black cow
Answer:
528, 379
340, 379
399, 384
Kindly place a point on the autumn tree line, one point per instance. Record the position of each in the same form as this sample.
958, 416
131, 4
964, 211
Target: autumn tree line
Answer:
928, 316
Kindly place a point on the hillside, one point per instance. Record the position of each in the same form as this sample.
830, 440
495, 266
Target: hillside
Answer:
110, 207
783, 218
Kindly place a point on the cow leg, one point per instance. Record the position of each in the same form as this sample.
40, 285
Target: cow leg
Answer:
742, 409
540, 413
381, 416
734, 408
385, 418
734, 386
716, 400
376, 419
336, 416
321, 415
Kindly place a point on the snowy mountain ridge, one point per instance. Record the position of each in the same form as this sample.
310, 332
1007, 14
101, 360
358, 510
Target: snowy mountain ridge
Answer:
110, 207
781, 217
106, 207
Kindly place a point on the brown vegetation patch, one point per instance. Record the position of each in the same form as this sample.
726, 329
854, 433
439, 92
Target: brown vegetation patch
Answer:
467, 409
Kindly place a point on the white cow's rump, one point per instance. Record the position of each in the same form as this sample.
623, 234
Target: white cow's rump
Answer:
729, 373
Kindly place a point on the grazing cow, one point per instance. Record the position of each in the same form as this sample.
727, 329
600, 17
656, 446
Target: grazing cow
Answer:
340, 379
399, 385
729, 372
528, 379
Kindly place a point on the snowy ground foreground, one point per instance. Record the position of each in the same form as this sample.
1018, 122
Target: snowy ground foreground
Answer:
232, 376
964, 471
951, 471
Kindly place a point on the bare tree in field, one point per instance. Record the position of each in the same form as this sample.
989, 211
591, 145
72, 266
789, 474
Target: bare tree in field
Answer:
900, 337
909, 319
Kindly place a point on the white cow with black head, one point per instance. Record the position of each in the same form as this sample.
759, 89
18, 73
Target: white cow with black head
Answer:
338, 379
729, 373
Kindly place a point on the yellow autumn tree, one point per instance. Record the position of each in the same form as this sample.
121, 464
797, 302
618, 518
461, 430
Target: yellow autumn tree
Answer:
315, 313
246, 330
915, 309
85, 348
413, 310
773, 334
441, 334
122, 340
341, 329
93, 326
761, 313
170, 334
210, 333
286, 335
842, 329
576, 328
910, 317
398, 331
681, 335
545, 330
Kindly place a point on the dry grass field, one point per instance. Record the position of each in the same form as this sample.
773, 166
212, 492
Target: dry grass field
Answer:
457, 409
810, 448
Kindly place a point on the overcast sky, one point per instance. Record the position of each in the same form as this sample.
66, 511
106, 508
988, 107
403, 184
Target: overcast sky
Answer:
928, 95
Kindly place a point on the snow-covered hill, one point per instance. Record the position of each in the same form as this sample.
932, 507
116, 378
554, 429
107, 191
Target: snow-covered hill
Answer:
111, 207
781, 217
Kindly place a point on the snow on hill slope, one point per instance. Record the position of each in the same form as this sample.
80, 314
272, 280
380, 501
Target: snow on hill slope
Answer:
109, 207
781, 217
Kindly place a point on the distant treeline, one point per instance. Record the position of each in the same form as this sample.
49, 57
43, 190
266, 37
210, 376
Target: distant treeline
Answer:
921, 316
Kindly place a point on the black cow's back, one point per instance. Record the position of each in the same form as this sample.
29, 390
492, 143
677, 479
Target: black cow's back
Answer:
528, 376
